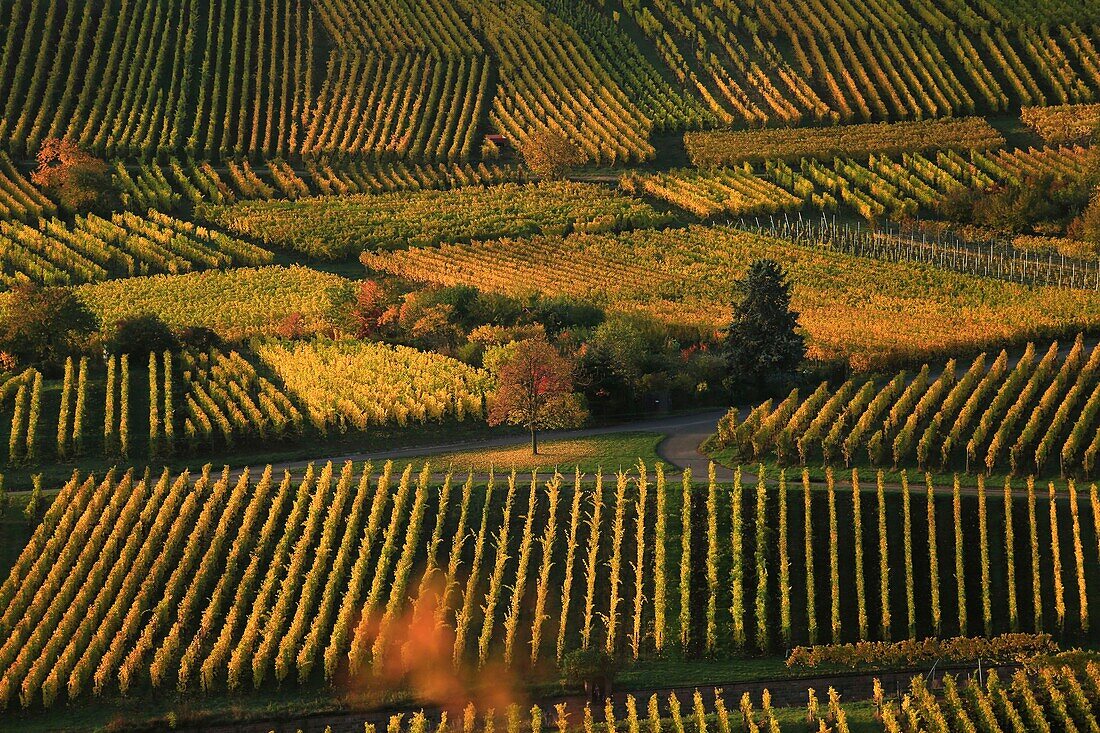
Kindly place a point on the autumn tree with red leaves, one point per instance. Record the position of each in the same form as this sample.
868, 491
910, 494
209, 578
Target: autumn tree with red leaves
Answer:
77, 180
535, 390
369, 305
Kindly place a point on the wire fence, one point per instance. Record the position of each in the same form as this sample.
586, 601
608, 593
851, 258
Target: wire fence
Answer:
889, 243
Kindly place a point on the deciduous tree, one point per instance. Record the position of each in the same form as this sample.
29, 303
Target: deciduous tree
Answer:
535, 390
79, 181
550, 154
44, 325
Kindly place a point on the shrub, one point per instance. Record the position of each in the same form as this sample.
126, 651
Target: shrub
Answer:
582, 666
142, 335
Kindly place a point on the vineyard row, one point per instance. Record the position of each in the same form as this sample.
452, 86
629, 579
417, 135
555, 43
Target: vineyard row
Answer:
231, 580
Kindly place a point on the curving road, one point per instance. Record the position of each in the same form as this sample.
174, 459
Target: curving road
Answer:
683, 435
680, 448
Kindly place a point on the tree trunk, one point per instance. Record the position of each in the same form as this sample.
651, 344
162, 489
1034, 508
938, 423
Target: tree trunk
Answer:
534, 442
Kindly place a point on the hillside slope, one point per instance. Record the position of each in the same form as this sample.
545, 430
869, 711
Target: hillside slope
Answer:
426, 81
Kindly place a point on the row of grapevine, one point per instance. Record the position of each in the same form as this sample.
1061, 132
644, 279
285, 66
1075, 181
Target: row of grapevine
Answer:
26, 391
224, 398
203, 400
137, 582
549, 79
666, 106
992, 417
132, 78
230, 79
93, 248
414, 107
924, 305
351, 384
236, 303
291, 78
1034, 261
335, 227
1063, 124
728, 191
383, 177
18, 198
789, 63
1050, 698
717, 148
168, 186
435, 25
876, 186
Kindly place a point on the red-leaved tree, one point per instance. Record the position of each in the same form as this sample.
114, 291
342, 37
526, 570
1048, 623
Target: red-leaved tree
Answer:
371, 302
77, 180
535, 390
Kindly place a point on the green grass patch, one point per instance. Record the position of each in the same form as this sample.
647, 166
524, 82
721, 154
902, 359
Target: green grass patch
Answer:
14, 533
656, 673
609, 452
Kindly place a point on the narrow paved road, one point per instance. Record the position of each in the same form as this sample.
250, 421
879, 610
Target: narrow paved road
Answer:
680, 448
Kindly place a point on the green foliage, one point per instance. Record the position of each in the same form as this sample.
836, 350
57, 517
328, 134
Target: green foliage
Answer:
762, 343
535, 391
44, 325
588, 665
550, 154
33, 509
1029, 205
141, 335
1086, 226
78, 181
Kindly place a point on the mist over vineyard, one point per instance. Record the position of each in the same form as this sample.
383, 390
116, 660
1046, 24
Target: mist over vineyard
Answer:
463, 366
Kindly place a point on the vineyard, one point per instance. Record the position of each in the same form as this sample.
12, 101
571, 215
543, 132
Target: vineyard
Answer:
728, 191
860, 62
684, 275
228, 80
710, 149
18, 198
177, 184
875, 187
397, 119
1072, 123
1032, 260
314, 576
365, 242
356, 78
336, 227
356, 384
1052, 697
125, 246
992, 416
238, 302
190, 401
